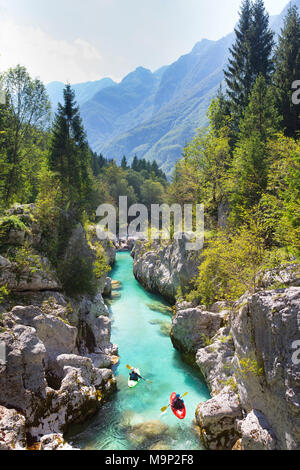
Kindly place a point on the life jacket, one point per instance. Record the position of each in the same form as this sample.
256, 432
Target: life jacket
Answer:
178, 404
134, 376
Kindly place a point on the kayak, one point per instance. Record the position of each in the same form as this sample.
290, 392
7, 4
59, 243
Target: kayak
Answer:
133, 383
180, 414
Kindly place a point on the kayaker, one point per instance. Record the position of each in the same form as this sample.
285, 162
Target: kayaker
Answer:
134, 375
178, 403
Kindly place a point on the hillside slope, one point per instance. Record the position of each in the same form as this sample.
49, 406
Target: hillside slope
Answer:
153, 115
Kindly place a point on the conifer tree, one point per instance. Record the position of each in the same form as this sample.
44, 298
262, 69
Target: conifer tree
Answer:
262, 43
124, 164
250, 163
238, 73
250, 55
70, 155
287, 70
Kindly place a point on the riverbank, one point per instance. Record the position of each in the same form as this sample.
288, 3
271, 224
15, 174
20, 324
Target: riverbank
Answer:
244, 350
56, 368
131, 420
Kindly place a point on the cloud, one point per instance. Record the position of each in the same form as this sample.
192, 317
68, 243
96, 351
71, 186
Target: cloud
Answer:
47, 57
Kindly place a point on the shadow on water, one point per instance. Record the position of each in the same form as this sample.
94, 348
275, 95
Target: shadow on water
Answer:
132, 418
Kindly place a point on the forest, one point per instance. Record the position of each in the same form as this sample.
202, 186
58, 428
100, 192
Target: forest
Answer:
244, 167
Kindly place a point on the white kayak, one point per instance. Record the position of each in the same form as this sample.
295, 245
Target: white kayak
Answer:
133, 383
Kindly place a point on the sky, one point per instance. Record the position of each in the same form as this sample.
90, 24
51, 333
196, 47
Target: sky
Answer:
77, 41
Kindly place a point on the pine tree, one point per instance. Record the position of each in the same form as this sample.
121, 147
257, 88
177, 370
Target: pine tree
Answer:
250, 55
124, 164
69, 154
135, 164
262, 43
250, 163
287, 70
238, 73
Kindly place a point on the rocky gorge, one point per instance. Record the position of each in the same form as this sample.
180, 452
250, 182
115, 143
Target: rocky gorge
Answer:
244, 349
56, 369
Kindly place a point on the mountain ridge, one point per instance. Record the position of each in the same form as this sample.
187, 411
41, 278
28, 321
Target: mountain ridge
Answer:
153, 114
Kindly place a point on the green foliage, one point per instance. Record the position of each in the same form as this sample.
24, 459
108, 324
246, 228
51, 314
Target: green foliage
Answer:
26, 260
8, 223
250, 366
206, 340
77, 275
101, 267
4, 292
250, 55
231, 264
287, 70
69, 154
247, 179
23, 120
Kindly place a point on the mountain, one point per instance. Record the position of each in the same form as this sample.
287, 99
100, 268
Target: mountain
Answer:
153, 115
84, 91
276, 21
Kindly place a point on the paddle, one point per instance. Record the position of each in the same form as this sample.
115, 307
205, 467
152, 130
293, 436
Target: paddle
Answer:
131, 368
166, 407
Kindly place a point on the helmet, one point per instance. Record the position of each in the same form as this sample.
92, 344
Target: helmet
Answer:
177, 395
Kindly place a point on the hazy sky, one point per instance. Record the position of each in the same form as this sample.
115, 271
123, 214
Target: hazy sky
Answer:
75, 40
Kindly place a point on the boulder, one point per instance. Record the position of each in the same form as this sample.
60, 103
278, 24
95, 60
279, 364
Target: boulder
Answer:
12, 430
266, 330
38, 277
191, 327
165, 268
54, 442
216, 361
216, 419
256, 432
22, 379
147, 432
288, 276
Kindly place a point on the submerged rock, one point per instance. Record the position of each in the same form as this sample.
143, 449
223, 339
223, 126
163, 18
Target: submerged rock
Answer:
141, 434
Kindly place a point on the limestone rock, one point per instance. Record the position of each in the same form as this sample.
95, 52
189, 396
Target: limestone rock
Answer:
266, 328
22, 379
192, 326
256, 432
166, 268
216, 361
145, 432
12, 430
39, 278
288, 275
54, 442
216, 419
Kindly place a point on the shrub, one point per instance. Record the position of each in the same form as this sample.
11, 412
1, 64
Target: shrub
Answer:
77, 275
9, 223
230, 267
101, 267
250, 366
4, 292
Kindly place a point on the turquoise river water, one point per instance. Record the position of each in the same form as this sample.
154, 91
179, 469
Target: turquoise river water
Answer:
132, 418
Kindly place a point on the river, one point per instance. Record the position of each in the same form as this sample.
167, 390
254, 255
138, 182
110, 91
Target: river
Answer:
132, 418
